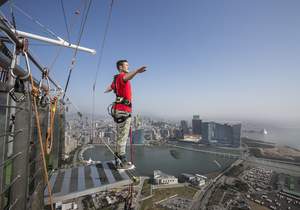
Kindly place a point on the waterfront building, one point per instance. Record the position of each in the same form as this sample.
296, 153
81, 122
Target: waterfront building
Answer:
177, 134
197, 125
156, 134
236, 135
162, 178
137, 122
184, 127
187, 177
221, 134
138, 136
148, 134
70, 144
165, 133
197, 180
66, 206
191, 138
207, 132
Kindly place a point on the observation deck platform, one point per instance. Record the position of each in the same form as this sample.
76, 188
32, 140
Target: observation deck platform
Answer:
85, 180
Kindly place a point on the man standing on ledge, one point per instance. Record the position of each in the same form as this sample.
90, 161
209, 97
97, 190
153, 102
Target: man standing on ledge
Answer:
121, 110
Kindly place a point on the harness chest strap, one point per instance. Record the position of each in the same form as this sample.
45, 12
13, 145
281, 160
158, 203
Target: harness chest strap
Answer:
120, 99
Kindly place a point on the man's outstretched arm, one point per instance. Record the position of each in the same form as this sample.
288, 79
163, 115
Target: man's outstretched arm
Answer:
131, 74
108, 89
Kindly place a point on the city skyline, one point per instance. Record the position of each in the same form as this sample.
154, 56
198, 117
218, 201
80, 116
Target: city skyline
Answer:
228, 60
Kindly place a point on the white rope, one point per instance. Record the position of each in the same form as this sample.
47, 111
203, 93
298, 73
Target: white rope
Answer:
35, 21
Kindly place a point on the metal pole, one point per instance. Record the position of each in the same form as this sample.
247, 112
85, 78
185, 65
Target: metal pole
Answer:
59, 42
7, 111
36, 195
4, 124
62, 124
20, 164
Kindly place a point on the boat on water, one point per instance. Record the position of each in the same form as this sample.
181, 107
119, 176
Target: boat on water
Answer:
90, 161
175, 154
264, 131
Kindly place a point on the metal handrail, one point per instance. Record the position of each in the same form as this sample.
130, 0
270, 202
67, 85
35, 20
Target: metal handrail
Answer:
12, 133
33, 177
11, 184
13, 204
10, 158
11, 107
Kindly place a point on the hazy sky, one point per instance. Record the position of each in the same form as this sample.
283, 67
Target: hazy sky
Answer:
227, 59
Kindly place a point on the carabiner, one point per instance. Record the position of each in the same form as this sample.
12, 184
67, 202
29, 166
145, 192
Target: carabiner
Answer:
13, 64
27, 66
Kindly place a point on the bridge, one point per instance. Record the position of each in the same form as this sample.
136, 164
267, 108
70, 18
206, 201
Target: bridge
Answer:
221, 154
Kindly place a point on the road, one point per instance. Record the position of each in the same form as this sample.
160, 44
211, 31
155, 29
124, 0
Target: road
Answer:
200, 201
139, 189
75, 158
278, 166
223, 154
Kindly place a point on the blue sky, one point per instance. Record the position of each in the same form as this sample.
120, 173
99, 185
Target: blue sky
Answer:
220, 59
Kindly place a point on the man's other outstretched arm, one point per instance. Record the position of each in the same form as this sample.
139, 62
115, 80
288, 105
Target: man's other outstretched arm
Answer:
131, 74
108, 89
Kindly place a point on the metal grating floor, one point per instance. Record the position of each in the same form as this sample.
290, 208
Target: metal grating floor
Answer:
84, 180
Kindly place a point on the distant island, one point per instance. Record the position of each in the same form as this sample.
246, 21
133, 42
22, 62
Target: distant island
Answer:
262, 149
262, 131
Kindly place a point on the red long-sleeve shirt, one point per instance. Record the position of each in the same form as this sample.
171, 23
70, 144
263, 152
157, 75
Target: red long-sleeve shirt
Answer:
123, 89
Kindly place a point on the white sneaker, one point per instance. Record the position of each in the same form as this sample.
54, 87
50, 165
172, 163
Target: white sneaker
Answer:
126, 166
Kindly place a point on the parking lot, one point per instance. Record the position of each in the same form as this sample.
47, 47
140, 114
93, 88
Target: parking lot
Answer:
176, 203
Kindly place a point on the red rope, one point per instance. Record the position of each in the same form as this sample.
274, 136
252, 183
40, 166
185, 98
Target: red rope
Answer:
131, 147
130, 187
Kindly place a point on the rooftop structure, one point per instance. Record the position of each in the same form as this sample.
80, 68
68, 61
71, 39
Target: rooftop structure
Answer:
197, 180
85, 180
191, 138
162, 178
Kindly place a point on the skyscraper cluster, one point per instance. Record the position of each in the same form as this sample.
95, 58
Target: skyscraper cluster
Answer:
213, 133
196, 125
184, 127
221, 134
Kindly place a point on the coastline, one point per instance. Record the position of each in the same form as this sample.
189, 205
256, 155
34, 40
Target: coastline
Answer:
83, 149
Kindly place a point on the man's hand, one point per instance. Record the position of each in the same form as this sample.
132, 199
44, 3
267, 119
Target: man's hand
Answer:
130, 75
142, 69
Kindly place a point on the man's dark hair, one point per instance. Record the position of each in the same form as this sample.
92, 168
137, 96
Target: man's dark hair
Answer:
120, 62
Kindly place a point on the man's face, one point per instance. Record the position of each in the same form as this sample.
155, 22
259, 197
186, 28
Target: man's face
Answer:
124, 67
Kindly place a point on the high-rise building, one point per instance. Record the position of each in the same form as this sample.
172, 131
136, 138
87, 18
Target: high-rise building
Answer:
206, 132
137, 121
237, 135
177, 134
148, 134
138, 136
221, 134
165, 133
196, 125
184, 127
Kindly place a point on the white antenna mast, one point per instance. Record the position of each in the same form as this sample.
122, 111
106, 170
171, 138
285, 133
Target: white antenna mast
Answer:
59, 41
